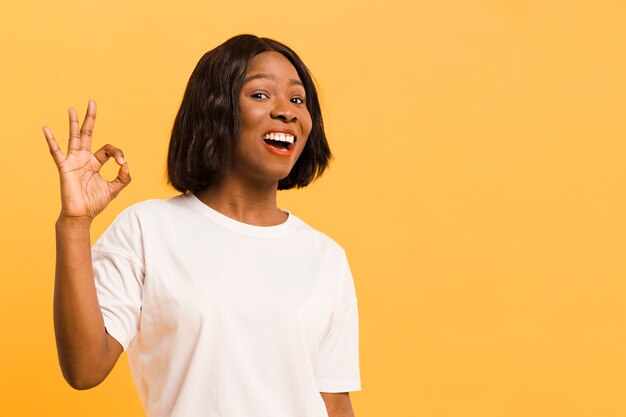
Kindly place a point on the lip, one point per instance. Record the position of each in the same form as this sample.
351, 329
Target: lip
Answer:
283, 130
281, 152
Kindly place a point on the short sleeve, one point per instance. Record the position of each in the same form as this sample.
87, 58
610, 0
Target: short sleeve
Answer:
118, 273
337, 368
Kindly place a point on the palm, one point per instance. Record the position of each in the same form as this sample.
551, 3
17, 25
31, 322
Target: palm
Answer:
84, 193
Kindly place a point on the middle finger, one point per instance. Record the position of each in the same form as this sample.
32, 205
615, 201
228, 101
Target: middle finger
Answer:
88, 124
74, 141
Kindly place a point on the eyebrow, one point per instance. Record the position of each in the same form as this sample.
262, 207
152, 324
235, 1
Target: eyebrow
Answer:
265, 76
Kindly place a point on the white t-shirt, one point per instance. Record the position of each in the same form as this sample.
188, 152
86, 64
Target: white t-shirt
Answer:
225, 319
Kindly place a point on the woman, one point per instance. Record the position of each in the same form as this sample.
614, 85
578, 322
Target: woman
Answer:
227, 305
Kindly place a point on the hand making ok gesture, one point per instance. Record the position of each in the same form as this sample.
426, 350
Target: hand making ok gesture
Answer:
84, 193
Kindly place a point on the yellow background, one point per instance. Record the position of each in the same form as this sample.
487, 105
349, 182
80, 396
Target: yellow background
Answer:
479, 186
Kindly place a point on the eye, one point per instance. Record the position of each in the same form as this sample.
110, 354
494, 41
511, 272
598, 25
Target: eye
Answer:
259, 96
297, 100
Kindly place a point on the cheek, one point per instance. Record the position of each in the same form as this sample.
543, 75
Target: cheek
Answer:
306, 124
250, 116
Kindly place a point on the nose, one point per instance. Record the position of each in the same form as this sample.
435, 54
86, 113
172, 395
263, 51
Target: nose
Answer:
283, 112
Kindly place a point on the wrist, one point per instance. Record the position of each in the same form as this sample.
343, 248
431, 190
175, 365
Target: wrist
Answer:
73, 222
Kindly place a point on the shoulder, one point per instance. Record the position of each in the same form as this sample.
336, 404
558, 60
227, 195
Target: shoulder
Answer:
135, 220
147, 207
330, 257
153, 209
319, 239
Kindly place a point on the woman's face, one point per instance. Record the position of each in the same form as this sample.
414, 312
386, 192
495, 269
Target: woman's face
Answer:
275, 123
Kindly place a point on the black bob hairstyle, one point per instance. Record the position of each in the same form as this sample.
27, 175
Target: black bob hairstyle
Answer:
208, 124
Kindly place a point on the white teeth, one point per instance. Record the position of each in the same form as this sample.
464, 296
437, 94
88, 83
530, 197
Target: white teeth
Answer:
281, 137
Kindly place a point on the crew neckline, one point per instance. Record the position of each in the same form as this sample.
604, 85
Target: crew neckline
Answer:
236, 225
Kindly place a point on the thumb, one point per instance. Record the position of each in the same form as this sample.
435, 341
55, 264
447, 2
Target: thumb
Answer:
121, 181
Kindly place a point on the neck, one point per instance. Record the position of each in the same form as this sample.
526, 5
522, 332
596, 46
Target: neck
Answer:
253, 204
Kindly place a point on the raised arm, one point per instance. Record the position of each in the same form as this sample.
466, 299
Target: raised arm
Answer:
86, 352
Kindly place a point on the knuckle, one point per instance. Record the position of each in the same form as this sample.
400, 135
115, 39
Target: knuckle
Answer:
86, 132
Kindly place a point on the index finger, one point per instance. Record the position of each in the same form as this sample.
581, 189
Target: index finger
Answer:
87, 128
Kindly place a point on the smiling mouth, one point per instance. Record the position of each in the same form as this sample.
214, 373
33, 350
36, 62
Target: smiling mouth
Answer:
280, 141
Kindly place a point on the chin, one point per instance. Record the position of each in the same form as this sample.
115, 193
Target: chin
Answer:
279, 174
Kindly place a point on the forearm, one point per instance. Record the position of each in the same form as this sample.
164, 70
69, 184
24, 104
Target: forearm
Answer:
86, 354
338, 404
341, 413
